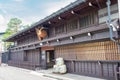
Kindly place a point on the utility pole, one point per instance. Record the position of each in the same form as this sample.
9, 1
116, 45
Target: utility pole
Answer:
119, 10
109, 23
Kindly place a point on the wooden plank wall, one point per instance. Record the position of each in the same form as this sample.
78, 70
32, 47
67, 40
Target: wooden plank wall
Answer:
102, 69
34, 56
27, 39
33, 59
17, 56
106, 50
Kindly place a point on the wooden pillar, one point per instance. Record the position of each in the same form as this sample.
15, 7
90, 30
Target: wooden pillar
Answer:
100, 68
73, 66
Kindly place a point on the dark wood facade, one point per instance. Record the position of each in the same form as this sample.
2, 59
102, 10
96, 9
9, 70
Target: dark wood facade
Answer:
79, 34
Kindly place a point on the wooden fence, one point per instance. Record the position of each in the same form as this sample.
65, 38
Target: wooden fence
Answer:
101, 69
24, 64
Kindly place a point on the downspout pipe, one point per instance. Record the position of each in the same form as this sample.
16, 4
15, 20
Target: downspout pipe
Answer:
110, 24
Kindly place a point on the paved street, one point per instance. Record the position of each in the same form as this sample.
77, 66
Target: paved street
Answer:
11, 73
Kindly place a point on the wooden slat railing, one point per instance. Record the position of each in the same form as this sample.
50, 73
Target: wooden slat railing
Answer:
23, 64
101, 69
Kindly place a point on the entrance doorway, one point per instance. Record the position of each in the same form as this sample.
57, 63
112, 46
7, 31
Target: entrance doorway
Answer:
50, 58
47, 57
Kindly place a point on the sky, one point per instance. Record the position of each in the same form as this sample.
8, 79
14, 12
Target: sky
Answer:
29, 11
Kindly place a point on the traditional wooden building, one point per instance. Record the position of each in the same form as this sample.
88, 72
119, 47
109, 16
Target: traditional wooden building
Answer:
85, 33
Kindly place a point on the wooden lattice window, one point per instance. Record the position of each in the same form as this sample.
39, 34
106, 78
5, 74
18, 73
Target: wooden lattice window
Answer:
59, 29
72, 25
88, 20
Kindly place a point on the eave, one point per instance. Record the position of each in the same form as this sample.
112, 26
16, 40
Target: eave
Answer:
66, 11
76, 6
